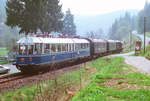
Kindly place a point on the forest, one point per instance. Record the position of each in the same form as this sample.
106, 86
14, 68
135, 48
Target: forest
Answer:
123, 26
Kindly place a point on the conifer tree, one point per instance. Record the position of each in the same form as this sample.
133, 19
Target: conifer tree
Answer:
31, 15
68, 23
144, 13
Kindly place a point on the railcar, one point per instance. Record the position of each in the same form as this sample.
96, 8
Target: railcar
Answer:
111, 46
99, 47
119, 46
36, 53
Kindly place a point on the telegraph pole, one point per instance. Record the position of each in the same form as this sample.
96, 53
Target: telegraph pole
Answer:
130, 40
144, 32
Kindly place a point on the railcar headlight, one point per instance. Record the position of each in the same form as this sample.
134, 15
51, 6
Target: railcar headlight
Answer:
22, 59
30, 59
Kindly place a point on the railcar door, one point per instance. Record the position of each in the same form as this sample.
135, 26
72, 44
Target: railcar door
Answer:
107, 46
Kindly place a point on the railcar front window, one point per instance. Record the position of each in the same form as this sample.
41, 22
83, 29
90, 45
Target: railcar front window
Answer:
23, 49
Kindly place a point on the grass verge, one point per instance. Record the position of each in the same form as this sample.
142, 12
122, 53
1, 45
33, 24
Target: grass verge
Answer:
106, 79
147, 53
115, 81
3, 52
129, 44
61, 88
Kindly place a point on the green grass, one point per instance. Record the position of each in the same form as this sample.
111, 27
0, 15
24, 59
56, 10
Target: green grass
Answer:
97, 86
107, 69
127, 45
2, 63
3, 52
148, 34
47, 88
147, 52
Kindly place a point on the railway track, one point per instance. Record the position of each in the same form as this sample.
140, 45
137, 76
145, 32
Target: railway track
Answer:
11, 78
19, 80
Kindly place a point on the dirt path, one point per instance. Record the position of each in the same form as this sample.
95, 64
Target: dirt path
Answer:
141, 63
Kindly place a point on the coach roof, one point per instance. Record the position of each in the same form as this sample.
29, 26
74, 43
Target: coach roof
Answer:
33, 40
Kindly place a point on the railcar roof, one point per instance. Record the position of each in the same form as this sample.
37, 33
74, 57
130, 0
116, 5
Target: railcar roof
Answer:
99, 40
33, 40
112, 41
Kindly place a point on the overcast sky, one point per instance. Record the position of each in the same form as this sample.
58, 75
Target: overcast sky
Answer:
93, 7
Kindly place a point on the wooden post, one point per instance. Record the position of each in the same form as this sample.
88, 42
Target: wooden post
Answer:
130, 40
84, 64
144, 32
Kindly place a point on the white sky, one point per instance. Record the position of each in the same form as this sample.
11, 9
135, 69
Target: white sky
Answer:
93, 7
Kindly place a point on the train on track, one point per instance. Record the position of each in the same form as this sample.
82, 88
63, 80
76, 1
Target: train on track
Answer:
37, 53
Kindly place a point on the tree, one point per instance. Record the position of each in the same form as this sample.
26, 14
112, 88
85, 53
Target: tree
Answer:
31, 15
144, 13
68, 23
122, 27
52, 18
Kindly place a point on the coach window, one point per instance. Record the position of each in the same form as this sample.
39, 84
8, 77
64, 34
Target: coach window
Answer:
30, 49
35, 49
53, 48
59, 47
85, 45
68, 48
77, 46
88, 45
64, 47
46, 48
70, 45
82, 45
26, 50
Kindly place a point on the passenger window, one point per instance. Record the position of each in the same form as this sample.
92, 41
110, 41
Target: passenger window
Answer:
59, 47
64, 47
30, 49
53, 48
76, 46
70, 47
46, 49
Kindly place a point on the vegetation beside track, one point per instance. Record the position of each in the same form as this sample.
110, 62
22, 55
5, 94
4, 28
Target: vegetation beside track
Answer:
115, 81
64, 87
108, 79
3, 52
148, 34
147, 53
127, 45
2, 63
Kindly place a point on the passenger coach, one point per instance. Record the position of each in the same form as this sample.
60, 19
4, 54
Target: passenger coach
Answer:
37, 52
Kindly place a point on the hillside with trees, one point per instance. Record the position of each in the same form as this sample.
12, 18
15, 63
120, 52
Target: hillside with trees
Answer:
122, 27
88, 23
140, 22
8, 36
